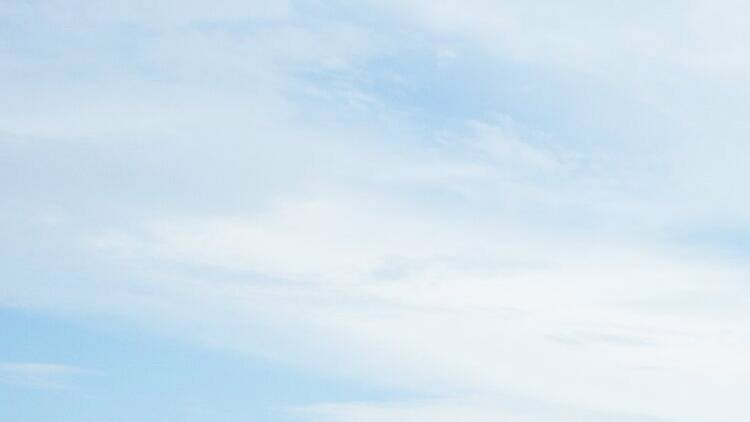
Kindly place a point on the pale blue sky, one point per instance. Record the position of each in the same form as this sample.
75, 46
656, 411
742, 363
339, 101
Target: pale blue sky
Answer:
374, 211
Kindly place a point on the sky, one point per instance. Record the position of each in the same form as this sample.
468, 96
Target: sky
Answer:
329, 211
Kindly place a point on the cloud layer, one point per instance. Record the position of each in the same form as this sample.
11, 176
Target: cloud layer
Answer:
505, 211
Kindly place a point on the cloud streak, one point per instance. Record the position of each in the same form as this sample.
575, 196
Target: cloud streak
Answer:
40, 375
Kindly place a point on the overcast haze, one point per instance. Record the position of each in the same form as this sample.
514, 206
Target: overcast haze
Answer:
375, 211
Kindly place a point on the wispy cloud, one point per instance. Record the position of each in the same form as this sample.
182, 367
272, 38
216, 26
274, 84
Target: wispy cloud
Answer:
40, 375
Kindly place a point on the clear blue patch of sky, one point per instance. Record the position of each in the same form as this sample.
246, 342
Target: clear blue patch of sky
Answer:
722, 240
138, 376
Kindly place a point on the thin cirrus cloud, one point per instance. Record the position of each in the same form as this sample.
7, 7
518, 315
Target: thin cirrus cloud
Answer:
484, 204
40, 375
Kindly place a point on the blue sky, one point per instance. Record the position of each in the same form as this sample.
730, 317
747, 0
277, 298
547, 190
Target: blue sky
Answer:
325, 211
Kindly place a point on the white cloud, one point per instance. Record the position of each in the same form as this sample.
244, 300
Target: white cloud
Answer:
447, 308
